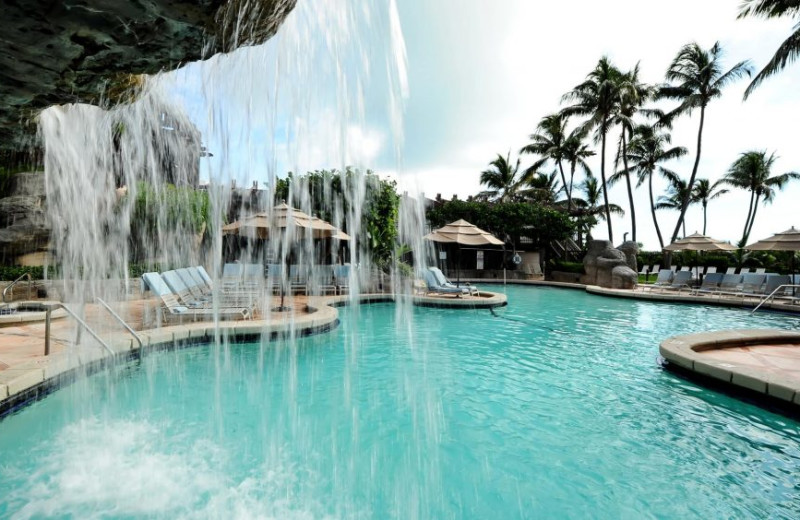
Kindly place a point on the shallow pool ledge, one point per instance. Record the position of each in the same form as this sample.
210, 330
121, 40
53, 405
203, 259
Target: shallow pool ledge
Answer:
33, 379
765, 362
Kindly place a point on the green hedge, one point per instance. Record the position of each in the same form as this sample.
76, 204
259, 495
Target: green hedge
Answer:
10, 273
566, 267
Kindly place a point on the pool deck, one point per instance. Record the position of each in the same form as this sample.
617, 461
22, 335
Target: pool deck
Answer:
25, 372
762, 361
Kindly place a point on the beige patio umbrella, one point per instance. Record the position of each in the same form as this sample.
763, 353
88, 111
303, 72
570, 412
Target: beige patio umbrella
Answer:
698, 242
463, 233
281, 218
788, 240
284, 221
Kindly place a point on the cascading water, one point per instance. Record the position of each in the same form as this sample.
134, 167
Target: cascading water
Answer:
326, 92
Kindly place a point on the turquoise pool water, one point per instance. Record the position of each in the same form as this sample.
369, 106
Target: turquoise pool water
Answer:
554, 408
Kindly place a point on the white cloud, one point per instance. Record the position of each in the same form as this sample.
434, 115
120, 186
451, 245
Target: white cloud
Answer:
515, 59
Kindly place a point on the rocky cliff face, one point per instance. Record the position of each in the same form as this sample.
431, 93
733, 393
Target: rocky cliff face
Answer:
55, 52
23, 223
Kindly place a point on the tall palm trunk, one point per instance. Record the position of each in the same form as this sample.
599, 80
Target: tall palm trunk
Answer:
749, 216
688, 196
705, 207
752, 220
653, 210
605, 190
630, 188
569, 194
564, 184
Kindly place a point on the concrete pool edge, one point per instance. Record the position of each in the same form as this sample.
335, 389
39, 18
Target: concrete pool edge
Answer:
28, 382
684, 354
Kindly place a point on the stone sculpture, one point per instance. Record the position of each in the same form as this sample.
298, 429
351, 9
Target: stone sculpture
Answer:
608, 267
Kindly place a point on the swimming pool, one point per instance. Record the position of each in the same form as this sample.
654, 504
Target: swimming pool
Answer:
554, 406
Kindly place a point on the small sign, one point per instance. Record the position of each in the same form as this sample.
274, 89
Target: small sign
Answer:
479, 262
442, 255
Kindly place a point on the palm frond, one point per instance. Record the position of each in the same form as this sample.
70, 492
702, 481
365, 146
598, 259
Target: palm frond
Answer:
787, 52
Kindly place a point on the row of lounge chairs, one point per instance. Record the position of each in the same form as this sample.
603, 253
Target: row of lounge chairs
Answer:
187, 292
300, 279
719, 284
646, 270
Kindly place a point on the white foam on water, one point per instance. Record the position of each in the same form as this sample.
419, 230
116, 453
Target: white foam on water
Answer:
94, 469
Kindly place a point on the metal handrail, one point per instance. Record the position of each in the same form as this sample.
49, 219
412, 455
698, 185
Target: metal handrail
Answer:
124, 324
12, 284
772, 295
50, 308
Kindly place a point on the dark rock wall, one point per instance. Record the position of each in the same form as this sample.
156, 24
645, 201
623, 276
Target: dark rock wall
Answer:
54, 52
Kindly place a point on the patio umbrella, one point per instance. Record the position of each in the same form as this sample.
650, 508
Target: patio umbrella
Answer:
788, 240
280, 219
698, 242
463, 233
286, 223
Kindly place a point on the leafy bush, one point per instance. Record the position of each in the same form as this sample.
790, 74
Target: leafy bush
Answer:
513, 220
10, 273
566, 267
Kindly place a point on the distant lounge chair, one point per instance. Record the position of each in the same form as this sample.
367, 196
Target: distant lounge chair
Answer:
730, 283
444, 282
644, 270
341, 278
664, 278
685, 268
179, 288
753, 283
298, 279
710, 284
731, 270
775, 281
710, 270
433, 286
761, 270
655, 269
321, 281
680, 281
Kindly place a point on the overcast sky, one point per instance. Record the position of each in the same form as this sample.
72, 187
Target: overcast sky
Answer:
480, 76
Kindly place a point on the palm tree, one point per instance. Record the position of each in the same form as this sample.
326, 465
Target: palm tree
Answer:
501, 179
541, 188
589, 210
633, 94
598, 98
576, 151
789, 50
697, 78
677, 191
751, 172
703, 192
647, 151
548, 142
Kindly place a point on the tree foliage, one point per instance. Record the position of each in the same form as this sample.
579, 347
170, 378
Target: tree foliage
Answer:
333, 195
507, 221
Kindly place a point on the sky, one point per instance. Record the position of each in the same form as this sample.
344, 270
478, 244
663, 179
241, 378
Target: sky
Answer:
469, 79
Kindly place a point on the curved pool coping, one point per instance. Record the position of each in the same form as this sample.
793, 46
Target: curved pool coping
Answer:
30, 381
684, 353
29, 316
